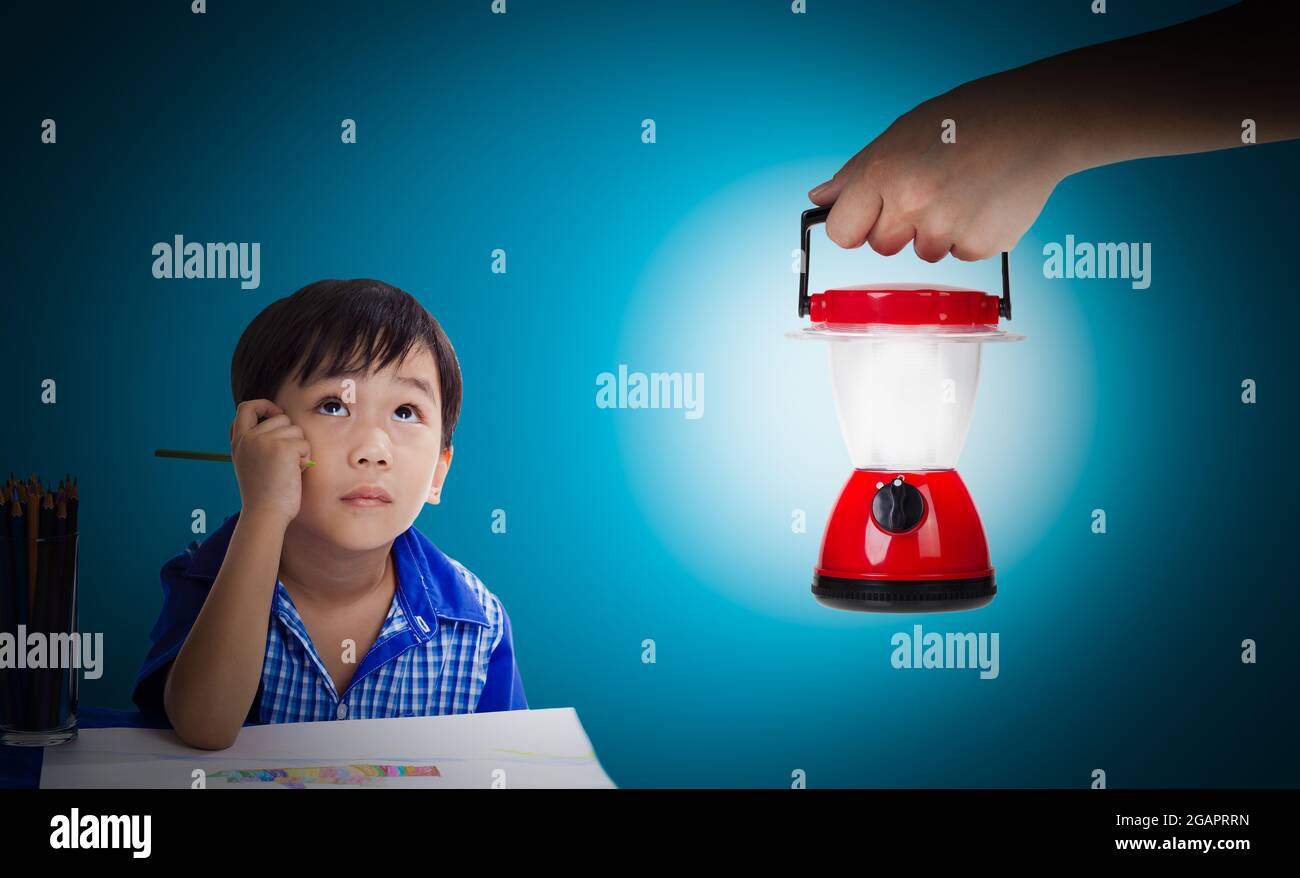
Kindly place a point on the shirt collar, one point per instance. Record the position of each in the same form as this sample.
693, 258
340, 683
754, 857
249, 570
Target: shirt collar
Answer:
427, 581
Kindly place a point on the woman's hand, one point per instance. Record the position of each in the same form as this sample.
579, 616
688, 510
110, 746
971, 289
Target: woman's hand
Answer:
1020, 132
972, 197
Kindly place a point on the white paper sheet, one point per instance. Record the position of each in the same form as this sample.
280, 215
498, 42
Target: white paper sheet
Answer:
510, 748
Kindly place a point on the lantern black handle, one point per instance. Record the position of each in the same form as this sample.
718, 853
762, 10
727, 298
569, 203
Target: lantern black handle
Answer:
814, 215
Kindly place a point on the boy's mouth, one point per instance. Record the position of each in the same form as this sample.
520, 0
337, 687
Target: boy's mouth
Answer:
367, 495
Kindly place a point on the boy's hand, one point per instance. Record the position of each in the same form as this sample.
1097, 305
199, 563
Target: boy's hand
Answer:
269, 453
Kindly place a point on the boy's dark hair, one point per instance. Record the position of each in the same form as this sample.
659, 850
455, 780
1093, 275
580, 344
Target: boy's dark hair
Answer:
333, 326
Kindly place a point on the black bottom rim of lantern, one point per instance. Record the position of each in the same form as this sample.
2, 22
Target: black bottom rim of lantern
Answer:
903, 595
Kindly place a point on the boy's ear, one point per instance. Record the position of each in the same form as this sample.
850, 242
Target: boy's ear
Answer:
440, 474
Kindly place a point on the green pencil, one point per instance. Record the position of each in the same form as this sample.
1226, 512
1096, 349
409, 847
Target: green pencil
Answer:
199, 455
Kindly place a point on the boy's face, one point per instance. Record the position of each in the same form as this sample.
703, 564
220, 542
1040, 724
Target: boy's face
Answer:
382, 429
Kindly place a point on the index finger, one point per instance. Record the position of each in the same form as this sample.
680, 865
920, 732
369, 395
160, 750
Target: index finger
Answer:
854, 213
252, 412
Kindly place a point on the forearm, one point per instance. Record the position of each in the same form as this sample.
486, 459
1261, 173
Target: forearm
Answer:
215, 676
1182, 89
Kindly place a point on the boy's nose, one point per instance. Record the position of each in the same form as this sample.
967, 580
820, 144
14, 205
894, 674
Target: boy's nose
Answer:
362, 459
371, 453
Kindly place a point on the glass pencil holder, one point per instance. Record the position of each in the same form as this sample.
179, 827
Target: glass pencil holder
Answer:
40, 645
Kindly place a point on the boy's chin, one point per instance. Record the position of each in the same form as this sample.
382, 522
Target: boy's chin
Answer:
355, 529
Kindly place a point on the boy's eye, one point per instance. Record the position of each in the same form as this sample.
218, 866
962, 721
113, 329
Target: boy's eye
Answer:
413, 410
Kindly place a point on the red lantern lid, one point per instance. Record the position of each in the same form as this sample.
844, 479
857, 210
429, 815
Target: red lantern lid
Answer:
953, 308
904, 305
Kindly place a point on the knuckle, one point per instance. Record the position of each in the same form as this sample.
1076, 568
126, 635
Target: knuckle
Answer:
845, 239
884, 246
914, 194
880, 167
853, 165
970, 252
927, 252
940, 220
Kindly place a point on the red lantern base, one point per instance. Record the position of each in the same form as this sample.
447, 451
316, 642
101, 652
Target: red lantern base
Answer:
904, 542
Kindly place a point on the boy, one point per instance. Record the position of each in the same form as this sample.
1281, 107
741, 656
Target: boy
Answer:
320, 599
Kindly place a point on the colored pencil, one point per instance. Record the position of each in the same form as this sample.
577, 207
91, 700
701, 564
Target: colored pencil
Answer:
42, 610
8, 601
56, 622
18, 541
201, 455
33, 527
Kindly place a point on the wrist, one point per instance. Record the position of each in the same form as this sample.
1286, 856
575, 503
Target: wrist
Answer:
264, 518
1052, 133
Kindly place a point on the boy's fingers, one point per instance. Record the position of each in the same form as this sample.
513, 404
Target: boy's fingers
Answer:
252, 412
263, 407
270, 424
282, 429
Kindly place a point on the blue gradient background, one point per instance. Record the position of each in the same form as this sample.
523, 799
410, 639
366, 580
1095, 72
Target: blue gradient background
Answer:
522, 131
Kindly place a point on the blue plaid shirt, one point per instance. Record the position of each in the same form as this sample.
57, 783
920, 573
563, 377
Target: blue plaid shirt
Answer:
445, 646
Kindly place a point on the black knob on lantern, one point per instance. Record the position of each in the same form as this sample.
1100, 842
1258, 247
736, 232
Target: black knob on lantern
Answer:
897, 506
